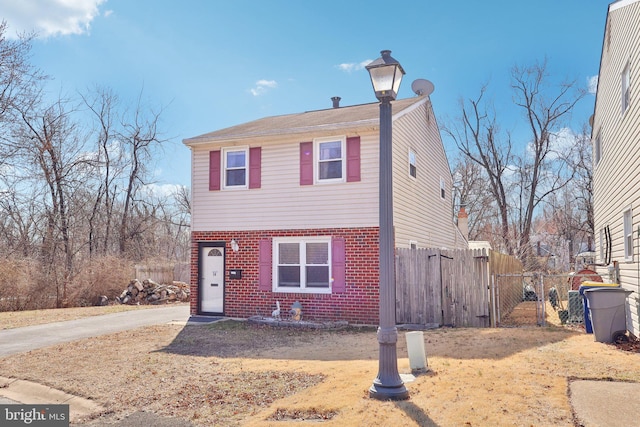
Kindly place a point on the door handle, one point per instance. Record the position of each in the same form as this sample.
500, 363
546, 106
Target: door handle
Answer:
214, 284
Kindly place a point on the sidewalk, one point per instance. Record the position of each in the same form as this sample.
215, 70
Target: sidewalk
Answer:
605, 403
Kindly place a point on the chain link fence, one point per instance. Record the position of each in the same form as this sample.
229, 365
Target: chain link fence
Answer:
536, 299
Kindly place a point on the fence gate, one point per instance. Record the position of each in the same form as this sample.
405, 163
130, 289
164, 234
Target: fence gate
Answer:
418, 287
441, 287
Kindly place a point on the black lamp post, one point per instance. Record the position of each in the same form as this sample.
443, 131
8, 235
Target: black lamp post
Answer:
386, 74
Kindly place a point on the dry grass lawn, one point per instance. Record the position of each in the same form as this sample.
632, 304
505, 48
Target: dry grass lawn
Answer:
234, 373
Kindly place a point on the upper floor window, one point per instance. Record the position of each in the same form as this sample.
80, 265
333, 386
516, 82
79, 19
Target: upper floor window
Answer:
443, 193
413, 171
235, 167
628, 234
626, 83
597, 149
330, 156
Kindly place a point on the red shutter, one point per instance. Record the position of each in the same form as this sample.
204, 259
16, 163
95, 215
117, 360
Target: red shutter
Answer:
214, 170
255, 164
306, 163
338, 264
264, 266
353, 159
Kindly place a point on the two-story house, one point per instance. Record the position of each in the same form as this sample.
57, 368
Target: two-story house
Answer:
616, 154
285, 209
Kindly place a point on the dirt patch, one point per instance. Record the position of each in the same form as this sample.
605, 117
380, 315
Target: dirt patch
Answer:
233, 373
313, 414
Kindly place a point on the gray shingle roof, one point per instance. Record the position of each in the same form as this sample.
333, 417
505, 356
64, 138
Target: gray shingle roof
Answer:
331, 118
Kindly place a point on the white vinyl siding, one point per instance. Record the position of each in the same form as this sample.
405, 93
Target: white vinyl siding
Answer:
616, 179
419, 212
281, 203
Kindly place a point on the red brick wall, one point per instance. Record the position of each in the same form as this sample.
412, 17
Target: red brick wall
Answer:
358, 305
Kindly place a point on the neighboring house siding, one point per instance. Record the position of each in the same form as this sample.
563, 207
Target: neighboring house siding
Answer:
357, 303
281, 202
617, 174
420, 213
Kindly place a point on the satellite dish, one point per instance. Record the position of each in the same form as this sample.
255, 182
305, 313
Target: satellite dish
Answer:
422, 87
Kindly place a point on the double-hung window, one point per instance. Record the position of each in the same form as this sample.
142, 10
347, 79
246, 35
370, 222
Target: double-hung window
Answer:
626, 91
302, 264
330, 159
597, 148
413, 170
235, 167
628, 234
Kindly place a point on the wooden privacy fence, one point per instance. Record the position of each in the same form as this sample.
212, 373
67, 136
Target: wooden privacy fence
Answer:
163, 273
448, 287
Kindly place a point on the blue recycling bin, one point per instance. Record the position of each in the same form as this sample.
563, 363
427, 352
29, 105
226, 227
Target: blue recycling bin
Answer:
587, 314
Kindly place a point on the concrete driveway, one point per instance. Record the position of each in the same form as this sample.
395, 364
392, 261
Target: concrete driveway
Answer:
19, 340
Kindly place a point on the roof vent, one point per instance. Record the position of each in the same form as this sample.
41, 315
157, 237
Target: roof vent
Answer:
336, 101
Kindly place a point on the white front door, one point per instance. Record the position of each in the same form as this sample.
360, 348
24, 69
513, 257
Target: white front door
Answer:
212, 279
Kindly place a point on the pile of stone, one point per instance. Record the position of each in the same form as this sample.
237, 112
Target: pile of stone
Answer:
150, 292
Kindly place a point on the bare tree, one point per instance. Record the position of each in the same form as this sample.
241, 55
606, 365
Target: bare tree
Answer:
519, 183
19, 85
471, 190
50, 139
103, 104
546, 111
68, 195
139, 137
478, 137
582, 185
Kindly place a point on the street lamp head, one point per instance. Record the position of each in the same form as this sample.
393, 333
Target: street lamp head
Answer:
386, 74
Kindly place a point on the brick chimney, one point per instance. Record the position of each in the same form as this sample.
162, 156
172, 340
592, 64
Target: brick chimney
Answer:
336, 101
463, 221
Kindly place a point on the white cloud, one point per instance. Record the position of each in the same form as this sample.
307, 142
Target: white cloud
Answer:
561, 143
49, 17
161, 190
353, 66
592, 84
262, 86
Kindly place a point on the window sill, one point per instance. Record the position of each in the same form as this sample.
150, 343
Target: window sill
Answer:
323, 291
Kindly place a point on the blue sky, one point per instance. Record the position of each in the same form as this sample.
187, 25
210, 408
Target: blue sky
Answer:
214, 64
